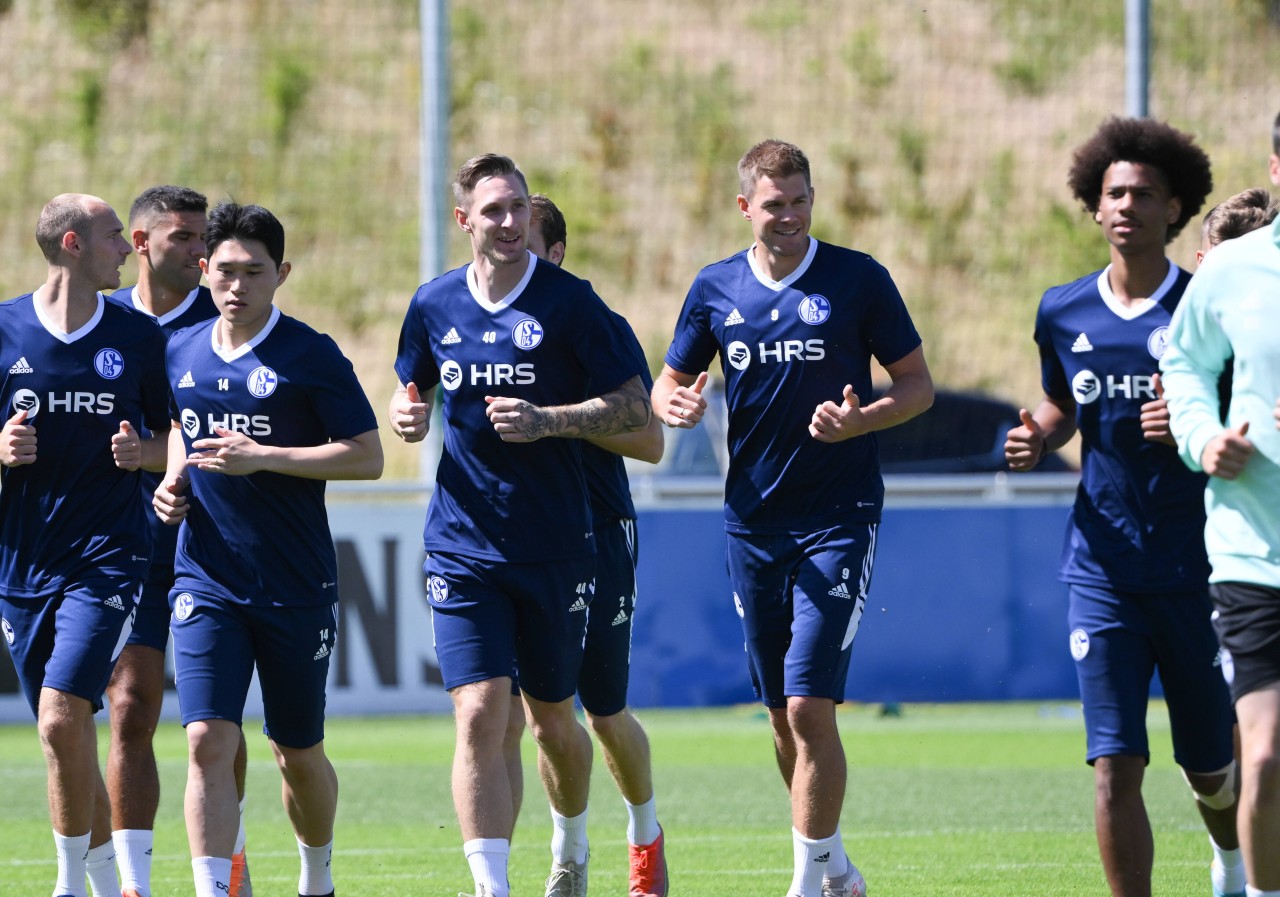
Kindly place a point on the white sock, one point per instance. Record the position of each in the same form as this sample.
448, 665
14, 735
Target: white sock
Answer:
811, 859
839, 863
315, 877
73, 851
1227, 872
133, 857
213, 876
1251, 891
240, 836
642, 822
487, 858
569, 838
100, 866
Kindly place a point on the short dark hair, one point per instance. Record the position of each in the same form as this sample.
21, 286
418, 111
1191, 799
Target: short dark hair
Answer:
167, 198
549, 220
231, 221
477, 168
1237, 216
1143, 141
65, 213
1275, 135
771, 158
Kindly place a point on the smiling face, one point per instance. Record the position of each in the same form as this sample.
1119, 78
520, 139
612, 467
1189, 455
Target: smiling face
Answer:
1136, 208
496, 216
780, 211
243, 279
170, 246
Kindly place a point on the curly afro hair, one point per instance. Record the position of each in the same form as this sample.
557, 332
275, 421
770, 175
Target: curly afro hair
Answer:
1143, 141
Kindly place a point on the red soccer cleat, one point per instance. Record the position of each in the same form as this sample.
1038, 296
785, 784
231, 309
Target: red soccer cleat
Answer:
649, 870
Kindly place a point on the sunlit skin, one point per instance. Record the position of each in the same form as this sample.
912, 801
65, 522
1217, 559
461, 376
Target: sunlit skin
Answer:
1136, 209
169, 248
102, 249
243, 279
496, 216
780, 212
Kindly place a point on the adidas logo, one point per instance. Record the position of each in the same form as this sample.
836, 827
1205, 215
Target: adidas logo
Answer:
21, 367
825, 858
620, 618
578, 605
1082, 344
322, 653
734, 318
114, 603
187, 381
840, 591
451, 337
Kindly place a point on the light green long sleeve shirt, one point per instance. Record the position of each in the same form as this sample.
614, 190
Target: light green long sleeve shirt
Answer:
1232, 310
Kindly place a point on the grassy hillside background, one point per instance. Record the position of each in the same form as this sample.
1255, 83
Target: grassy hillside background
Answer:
939, 136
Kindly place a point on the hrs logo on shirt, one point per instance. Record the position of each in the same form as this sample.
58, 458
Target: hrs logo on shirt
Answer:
1087, 387
248, 424
783, 351
453, 374
54, 402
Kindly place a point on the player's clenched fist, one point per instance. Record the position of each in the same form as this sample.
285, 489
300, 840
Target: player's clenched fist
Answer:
168, 502
410, 414
1024, 445
126, 447
834, 423
17, 441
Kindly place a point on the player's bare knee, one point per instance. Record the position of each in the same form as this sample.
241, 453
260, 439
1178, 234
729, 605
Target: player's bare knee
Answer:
1216, 790
212, 743
301, 764
811, 720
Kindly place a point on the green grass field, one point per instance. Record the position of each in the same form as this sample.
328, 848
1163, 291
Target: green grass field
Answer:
944, 801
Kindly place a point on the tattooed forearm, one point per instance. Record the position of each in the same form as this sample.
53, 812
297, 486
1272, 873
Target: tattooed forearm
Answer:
624, 410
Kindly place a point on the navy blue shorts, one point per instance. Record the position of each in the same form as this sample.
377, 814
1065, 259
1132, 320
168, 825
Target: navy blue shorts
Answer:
70, 642
484, 613
151, 622
1247, 619
801, 599
1119, 640
606, 656
217, 643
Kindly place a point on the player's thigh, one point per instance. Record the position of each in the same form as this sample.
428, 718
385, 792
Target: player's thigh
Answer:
69, 642
829, 594
1187, 658
28, 629
1247, 621
761, 570
213, 656
473, 619
151, 620
606, 654
1111, 645
292, 649
552, 602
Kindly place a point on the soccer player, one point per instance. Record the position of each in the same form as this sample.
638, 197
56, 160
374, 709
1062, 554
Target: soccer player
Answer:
606, 657
519, 348
1133, 557
82, 376
796, 323
167, 228
265, 410
1228, 311
1234, 217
